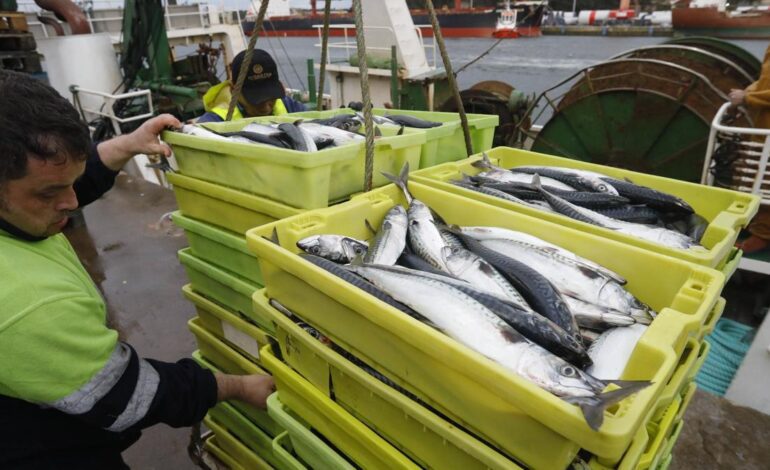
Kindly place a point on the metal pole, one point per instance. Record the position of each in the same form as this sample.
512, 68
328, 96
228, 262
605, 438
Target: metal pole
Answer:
364, 69
324, 55
450, 75
236, 90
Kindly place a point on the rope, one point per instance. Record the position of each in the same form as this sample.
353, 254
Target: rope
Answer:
481, 56
450, 75
364, 68
729, 342
247, 59
324, 55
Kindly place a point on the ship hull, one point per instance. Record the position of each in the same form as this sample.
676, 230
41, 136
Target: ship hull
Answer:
457, 24
711, 22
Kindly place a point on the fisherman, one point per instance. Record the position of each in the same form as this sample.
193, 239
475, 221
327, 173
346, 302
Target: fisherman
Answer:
72, 395
262, 94
757, 98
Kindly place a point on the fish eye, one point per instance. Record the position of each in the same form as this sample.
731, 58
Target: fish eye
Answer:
314, 250
602, 187
568, 371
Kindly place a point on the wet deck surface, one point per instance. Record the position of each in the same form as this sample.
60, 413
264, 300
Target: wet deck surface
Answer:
134, 262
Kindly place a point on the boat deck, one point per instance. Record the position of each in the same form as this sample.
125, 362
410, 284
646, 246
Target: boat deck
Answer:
133, 261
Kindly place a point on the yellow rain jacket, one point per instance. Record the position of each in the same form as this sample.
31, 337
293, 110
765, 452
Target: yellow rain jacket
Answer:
217, 101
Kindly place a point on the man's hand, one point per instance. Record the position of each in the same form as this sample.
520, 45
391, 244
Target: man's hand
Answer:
737, 97
146, 139
251, 389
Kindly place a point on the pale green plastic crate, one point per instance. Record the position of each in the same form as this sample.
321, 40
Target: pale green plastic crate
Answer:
359, 443
445, 143
282, 450
257, 440
224, 207
308, 447
427, 438
511, 413
304, 180
234, 448
220, 247
221, 286
259, 417
212, 446
726, 211
228, 326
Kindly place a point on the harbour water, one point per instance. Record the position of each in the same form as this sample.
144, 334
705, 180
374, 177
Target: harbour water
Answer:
529, 64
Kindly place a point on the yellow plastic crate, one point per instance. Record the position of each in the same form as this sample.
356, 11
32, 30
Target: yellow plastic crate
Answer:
428, 439
732, 263
234, 448
221, 248
222, 286
445, 143
308, 447
666, 462
282, 450
630, 459
727, 211
513, 414
259, 417
257, 440
304, 180
227, 326
687, 395
660, 431
224, 207
212, 446
362, 445
679, 379
712, 319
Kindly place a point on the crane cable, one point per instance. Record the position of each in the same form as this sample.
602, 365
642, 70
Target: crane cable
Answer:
450, 75
324, 55
364, 69
247, 59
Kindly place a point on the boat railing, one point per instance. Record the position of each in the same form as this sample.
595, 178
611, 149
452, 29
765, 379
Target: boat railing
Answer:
348, 42
107, 105
107, 16
748, 154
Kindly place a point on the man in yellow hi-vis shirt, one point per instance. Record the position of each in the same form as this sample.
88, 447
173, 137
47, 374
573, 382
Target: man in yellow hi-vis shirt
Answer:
263, 93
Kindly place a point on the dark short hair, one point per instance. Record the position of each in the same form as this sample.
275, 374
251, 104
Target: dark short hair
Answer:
35, 121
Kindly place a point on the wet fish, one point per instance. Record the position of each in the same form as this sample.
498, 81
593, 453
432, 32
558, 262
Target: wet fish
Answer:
659, 235
357, 281
573, 279
411, 121
612, 350
634, 214
477, 327
599, 318
532, 242
258, 138
465, 265
338, 136
423, 233
571, 177
337, 248
497, 174
299, 139
199, 131
499, 194
537, 290
587, 199
390, 240
650, 197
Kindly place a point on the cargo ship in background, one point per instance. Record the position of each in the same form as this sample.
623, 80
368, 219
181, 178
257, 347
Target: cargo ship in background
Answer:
522, 19
477, 19
714, 19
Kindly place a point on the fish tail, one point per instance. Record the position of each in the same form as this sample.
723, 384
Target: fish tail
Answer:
485, 163
401, 181
593, 407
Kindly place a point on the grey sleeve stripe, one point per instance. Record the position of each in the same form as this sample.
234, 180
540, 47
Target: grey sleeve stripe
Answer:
144, 393
82, 400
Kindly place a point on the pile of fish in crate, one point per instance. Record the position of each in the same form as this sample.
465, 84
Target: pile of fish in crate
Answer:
474, 314
235, 176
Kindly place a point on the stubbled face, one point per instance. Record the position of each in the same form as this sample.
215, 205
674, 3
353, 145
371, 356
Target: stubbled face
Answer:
40, 202
264, 108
